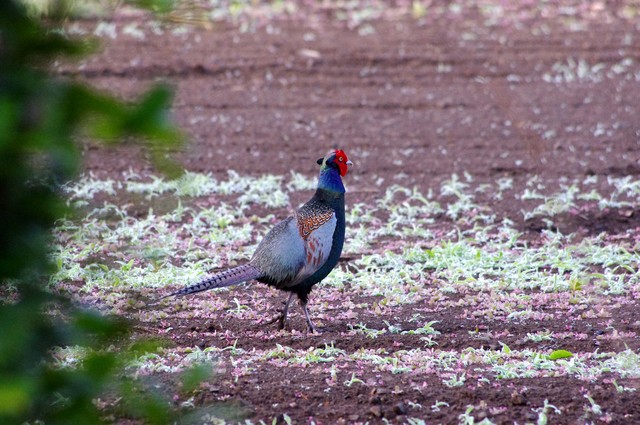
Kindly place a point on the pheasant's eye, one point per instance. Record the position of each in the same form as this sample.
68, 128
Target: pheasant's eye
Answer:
340, 159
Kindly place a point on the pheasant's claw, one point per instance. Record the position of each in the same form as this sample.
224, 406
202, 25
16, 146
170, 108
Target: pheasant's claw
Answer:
315, 330
278, 319
310, 325
282, 317
282, 321
285, 310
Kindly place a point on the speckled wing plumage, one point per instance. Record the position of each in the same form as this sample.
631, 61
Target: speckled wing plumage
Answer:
311, 216
316, 225
296, 247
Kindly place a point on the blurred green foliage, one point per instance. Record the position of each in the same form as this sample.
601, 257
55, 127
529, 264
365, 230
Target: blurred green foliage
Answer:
91, 8
41, 118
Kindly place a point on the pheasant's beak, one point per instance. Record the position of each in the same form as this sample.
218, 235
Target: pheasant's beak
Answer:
344, 167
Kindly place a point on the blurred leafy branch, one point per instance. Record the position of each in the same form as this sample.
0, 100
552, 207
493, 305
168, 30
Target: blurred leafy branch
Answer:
42, 116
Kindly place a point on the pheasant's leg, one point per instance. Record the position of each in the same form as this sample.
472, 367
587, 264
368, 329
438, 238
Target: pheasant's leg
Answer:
312, 328
285, 311
282, 317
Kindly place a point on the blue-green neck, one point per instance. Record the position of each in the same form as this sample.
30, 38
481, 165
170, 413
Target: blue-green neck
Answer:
330, 180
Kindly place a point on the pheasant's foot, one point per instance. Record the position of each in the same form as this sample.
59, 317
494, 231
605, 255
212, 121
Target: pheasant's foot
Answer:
282, 321
315, 330
282, 317
278, 319
310, 325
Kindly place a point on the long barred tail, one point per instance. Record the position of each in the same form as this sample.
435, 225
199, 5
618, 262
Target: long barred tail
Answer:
227, 277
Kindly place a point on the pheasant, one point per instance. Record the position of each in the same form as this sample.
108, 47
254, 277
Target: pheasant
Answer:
299, 251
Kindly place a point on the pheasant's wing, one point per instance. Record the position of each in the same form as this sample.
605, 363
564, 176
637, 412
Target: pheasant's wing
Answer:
316, 227
297, 247
281, 254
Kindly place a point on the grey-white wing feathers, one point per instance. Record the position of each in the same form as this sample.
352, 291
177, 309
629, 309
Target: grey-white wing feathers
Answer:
295, 249
281, 254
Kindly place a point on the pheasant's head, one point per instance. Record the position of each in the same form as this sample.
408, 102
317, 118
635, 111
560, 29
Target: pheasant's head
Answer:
336, 159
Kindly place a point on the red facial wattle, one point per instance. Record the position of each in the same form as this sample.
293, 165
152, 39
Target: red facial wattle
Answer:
342, 161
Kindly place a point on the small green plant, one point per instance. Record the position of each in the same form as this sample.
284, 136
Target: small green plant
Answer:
353, 380
593, 407
287, 419
467, 418
455, 380
428, 341
575, 285
543, 411
438, 405
621, 388
239, 308
363, 329
427, 329
540, 336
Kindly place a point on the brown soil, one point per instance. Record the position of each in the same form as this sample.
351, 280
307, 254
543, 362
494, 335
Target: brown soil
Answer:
412, 103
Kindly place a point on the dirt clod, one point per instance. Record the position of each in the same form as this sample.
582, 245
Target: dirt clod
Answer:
376, 411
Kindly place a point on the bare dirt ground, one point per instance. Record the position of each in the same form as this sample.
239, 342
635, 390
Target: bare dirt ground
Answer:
412, 100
